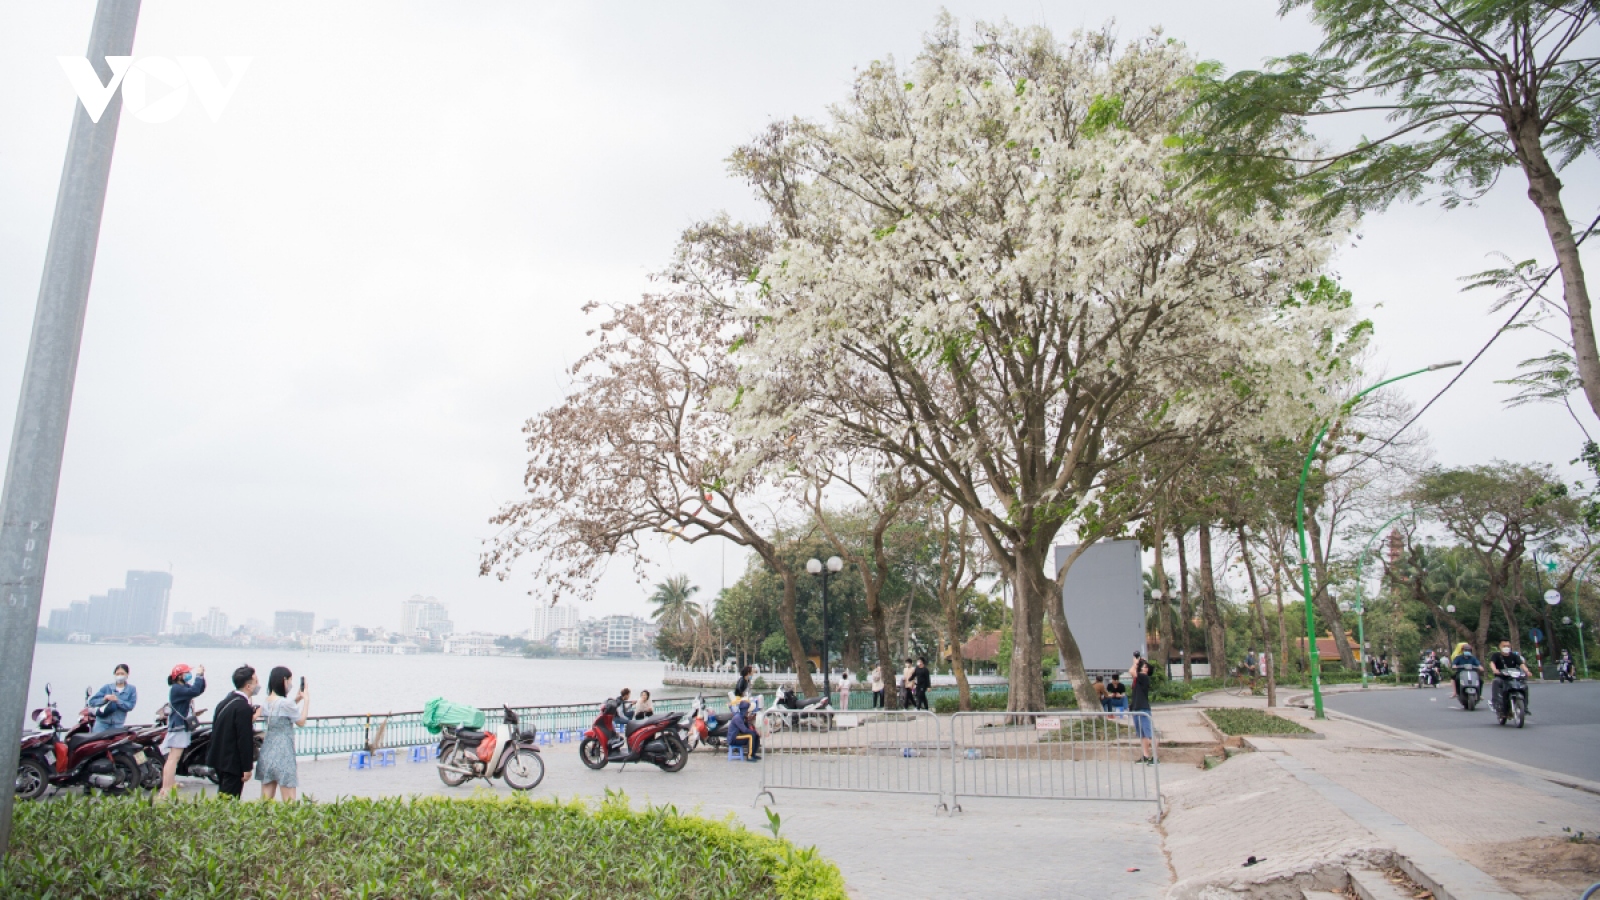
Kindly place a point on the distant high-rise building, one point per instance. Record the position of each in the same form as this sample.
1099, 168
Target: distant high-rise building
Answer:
214, 623
288, 623
425, 614
137, 608
548, 620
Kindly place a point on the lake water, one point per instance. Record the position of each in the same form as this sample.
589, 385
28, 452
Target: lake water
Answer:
344, 683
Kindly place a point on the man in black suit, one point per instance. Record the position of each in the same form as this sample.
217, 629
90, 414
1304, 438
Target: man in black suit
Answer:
233, 740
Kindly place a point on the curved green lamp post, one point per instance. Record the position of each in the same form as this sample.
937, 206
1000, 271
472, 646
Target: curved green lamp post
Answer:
1313, 659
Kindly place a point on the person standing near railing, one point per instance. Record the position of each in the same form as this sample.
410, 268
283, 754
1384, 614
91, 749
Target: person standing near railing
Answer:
186, 684
1142, 724
877, 686
277, 768
844, 689
923, 680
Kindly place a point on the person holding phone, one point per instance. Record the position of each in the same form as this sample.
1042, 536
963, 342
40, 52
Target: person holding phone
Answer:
277, 769
185, 684
1140, 703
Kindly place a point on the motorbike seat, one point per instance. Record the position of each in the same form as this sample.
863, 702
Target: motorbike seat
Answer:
79, 740
635, 724
469, 737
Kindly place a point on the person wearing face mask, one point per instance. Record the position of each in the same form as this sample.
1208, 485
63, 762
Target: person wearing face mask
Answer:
233, 741
1507, 660
114, 701
187, 684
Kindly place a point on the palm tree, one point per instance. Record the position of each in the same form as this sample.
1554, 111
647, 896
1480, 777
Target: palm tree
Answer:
674, 610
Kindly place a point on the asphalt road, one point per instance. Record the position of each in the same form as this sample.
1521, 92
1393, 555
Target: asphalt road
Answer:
1562, 735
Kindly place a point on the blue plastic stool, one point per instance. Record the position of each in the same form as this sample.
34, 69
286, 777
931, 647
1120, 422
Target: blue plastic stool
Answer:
566, 737
544, 737
384, 758
419, 753
360, 759
735, 752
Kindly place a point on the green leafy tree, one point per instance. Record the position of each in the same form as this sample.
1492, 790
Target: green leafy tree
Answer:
1467, 89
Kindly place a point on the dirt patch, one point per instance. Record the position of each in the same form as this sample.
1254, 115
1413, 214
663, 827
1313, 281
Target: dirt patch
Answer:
1552, 868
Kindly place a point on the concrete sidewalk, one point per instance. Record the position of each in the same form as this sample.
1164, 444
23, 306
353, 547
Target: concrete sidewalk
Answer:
1361, 794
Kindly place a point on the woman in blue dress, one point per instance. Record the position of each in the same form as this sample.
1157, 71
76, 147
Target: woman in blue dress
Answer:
276, 768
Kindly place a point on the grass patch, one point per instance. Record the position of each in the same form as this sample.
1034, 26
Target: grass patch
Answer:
1088, 730
129, 849
1253, 721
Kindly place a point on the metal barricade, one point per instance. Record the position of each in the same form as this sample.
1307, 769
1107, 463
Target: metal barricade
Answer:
1052, 756
895, 752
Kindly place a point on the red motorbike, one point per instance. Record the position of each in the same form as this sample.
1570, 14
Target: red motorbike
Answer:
108, 761
653, 740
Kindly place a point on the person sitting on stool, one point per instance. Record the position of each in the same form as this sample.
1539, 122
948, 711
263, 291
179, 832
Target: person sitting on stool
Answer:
740, 731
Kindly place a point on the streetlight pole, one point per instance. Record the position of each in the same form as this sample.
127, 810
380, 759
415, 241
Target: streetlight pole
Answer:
33, 470
1313, 659
833, 567
1577, 612
1361, 599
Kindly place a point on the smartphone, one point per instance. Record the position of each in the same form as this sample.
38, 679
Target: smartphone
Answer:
302, 682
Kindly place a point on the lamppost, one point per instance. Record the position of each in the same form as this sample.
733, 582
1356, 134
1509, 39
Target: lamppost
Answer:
1577, 612
1361, 599
1313, 659
834, 566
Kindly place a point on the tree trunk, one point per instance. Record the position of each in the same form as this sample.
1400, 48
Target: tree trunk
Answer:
958, 668
1163, 606
1027, 633
791, 634
1544, 189
1216, 635
1326, 606
1283, 626
1261, 617
1184, 613
880, 636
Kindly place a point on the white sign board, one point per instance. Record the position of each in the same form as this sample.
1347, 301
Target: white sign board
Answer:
1552, 597
1047, 723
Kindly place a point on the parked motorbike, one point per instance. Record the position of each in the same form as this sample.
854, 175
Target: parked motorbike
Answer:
704, 727
108, 761
1513, 697
1469, 686
653, 740
801, 710
467, 753
192, 761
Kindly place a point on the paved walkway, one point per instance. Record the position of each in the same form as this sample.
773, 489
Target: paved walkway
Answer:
888, 846
1361, 790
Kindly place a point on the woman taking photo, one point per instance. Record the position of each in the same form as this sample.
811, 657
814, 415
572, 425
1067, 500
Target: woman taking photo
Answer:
276, 768
186, 684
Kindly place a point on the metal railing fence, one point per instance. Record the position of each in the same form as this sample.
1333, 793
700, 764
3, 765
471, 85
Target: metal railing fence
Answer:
1052, 756
896, 752
335, 735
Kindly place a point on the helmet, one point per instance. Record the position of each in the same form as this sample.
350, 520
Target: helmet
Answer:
178, 671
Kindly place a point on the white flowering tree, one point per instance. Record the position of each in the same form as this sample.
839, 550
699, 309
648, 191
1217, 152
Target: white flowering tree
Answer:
984, 267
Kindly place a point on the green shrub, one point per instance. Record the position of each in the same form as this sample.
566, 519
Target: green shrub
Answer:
990, 701
1176, 690
482, 846
1253, 721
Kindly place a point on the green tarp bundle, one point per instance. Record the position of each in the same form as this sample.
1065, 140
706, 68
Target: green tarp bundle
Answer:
439, 712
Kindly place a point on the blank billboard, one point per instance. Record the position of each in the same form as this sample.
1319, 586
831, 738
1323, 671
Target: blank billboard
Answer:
1103, 597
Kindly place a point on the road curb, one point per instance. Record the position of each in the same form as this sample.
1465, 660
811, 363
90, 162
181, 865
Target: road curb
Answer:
1558, 778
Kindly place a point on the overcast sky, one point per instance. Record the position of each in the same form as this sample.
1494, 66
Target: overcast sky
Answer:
317, 325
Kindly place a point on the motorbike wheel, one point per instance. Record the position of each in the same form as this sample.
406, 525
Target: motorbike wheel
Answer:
451, 757
33, 779
677, 755
592, 753
150, 774
1519, 711
1472, 702
525, 770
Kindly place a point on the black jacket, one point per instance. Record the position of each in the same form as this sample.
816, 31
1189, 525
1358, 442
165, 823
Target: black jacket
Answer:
233, 740
922, 678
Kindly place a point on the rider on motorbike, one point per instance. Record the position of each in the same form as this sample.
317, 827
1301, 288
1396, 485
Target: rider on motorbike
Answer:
1463, 657
1502, 661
